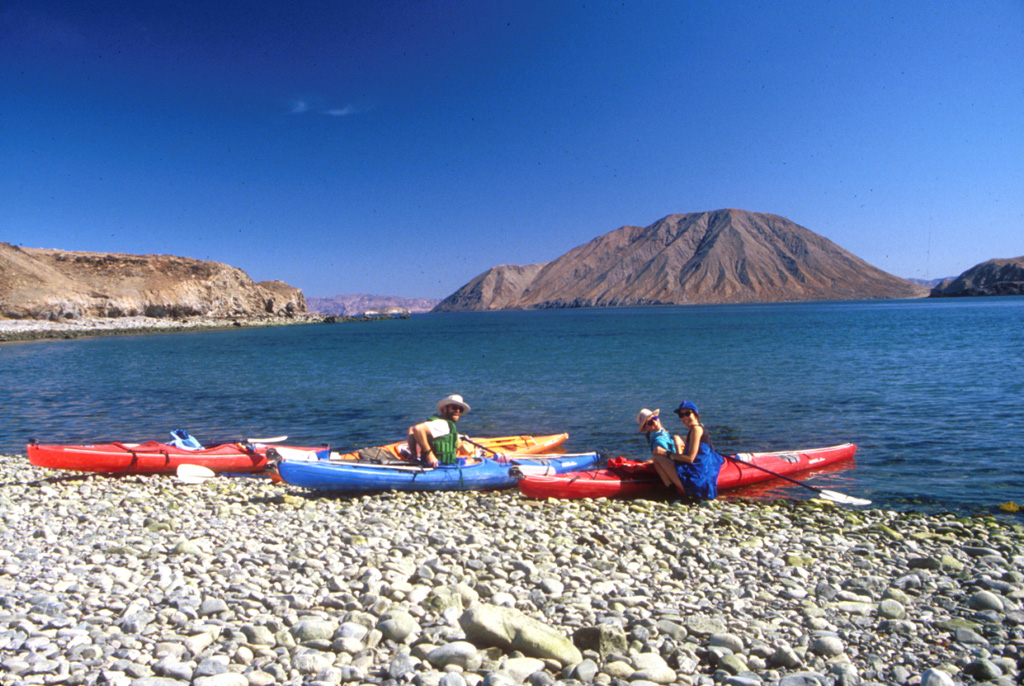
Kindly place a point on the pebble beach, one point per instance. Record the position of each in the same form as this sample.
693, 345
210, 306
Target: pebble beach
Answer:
147, 581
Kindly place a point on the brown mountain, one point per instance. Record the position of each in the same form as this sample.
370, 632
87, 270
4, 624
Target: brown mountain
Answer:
57, 284
355, 304
995, 277
727, 256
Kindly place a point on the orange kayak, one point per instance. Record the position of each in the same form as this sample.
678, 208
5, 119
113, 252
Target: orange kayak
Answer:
503, 445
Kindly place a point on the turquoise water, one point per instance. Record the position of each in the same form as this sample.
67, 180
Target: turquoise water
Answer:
931, 390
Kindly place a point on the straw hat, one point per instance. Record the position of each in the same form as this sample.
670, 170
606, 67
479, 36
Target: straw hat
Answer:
645, 415
454, 399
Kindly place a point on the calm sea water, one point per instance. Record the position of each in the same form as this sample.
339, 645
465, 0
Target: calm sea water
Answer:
931, 391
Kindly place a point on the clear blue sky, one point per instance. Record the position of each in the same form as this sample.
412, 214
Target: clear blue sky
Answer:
402, 148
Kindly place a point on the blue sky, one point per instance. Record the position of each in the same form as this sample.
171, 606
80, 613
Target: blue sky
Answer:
402, 148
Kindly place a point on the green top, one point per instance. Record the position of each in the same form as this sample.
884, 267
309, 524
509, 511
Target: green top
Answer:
446, 447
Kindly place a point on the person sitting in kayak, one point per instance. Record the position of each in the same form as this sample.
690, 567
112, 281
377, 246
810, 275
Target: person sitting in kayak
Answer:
690, 465
436, 441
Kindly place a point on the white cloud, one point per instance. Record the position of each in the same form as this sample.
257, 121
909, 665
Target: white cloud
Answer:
341, 111
299, 106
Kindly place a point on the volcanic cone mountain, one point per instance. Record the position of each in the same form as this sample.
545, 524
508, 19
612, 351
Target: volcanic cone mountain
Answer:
726, 256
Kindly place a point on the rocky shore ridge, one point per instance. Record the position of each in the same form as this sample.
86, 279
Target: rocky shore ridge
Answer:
36, 329
146, 581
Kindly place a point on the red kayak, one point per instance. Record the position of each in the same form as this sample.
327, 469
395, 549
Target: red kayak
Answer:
628, 479
150, 457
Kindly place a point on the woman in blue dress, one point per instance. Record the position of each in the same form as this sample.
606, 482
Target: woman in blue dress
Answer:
690, 464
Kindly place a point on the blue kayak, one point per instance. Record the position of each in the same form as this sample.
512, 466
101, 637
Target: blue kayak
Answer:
483, 474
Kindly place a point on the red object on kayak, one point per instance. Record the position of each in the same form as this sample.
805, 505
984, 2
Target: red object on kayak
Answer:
629, 479
150, 457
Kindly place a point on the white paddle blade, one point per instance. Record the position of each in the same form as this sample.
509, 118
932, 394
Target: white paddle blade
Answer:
296, 454
842, 498
194, 473
275, 439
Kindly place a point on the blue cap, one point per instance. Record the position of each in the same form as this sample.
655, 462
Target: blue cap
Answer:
687, 405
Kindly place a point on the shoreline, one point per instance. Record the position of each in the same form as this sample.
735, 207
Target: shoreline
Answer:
12, 330
242, 582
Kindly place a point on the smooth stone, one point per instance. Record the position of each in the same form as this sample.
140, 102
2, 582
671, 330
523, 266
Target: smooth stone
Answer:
969, 637
585, 671
803, 679
312, 662
212, 606
499, 678
398, 626
643, 661
742, 681
733, 663
985, 600
521, 667
936, 677
730, 641
225, 679
259, 635
312, 630
210, 667
618, 669
461, 653
669, 628
704, 626
827, 646
552, 586
891, 609
657, 675
785, 656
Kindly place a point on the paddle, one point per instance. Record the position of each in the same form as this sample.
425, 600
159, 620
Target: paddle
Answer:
501, 457
194, 473
275, 439
834, 496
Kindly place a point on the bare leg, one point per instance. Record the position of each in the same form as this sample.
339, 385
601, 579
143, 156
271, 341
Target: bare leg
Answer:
667, 471
659, 469
414, 450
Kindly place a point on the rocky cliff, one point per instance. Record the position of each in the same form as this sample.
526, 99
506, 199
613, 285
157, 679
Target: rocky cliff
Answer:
727, 256
995, 277
56, 284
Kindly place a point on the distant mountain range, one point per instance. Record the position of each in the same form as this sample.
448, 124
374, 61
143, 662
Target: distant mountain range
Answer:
726, 256
930, 283
355, 304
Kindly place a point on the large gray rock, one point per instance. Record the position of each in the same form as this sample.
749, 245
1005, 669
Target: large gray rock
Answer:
510, 629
